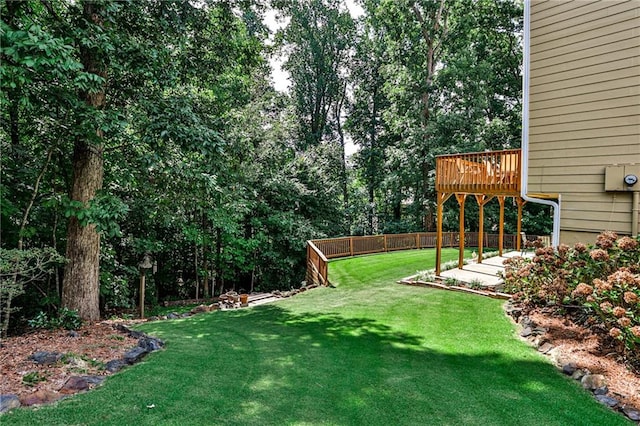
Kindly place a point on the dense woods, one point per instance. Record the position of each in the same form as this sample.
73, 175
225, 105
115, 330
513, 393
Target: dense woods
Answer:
153, 126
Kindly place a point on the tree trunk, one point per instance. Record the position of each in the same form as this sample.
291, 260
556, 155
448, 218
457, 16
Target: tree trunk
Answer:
81, 283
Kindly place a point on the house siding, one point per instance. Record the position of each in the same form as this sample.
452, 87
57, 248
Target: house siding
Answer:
584, 108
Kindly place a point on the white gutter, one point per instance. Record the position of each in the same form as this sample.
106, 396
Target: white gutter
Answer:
555, 236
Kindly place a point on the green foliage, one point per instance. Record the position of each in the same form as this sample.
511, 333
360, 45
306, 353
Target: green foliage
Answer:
65, 318
210, 170
33, 378
104, 211
451, 281
426, 275
18, 269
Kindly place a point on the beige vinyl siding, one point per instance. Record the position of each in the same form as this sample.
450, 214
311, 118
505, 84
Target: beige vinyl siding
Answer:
584, 107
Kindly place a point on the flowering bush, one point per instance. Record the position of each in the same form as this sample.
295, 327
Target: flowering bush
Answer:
604, 278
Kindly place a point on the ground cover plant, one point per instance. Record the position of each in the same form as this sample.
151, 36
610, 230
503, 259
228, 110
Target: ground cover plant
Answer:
367, 351
599, 285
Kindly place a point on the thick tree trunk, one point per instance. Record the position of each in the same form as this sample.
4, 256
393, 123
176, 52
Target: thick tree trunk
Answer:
81, 283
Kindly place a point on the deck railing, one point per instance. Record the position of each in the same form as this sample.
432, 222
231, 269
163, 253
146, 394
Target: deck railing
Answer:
491, 173
320, 251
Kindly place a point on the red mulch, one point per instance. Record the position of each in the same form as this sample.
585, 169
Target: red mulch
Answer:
578, 344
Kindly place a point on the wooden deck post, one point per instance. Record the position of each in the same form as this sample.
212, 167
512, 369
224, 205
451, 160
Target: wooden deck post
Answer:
501, 225
461, 198
480, 200
441, 199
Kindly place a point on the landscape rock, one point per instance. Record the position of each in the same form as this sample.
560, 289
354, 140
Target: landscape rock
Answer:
45, 358
539, 330
173, 315
73, 333
135, 355
545, 347
578, 374
150, 344
39, 397
593, 381
569, 368
185, 315
632, 413
601, 391
80, 383
526, 332
8, 402
526, 322
154, 318
115, 365
77, 363
200, 309
607, 400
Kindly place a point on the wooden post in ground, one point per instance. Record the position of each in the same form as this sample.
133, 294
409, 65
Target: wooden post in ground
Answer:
501, 225
441, 199
482, 200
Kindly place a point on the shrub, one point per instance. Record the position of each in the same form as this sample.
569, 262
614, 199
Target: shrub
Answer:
66, 318
604, 278
426, 276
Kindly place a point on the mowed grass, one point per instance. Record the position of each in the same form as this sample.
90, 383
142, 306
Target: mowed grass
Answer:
368, 351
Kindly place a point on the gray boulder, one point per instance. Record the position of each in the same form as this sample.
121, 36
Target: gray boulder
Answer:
8, 402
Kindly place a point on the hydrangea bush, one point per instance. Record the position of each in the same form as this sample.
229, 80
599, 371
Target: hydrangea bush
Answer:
604, 278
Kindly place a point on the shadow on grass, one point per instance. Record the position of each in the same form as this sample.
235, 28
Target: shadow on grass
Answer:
308, 368
270, 366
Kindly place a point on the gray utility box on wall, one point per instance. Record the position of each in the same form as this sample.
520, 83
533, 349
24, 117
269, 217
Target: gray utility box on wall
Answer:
622, 177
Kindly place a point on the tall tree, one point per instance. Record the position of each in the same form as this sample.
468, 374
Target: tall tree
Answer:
81, 283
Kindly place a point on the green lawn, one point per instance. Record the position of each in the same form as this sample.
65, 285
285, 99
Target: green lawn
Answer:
368, 351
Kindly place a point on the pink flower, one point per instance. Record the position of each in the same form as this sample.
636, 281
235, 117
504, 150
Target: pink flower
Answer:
624, 321
622, 277
599, 255
636, 330
627, 243
606, 306
602, 285
630, 297
606, 239
619, 312
615, 332
580, 247
582, 290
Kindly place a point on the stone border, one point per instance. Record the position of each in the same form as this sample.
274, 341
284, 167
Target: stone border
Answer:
76, 384
479, 292
595, 383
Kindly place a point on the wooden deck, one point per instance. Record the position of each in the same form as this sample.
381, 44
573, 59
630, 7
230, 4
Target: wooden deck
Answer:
487, 173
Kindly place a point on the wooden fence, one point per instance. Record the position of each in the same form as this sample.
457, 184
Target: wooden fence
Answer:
320, 251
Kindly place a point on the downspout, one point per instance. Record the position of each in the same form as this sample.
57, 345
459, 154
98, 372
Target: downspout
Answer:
635, 210
555, 236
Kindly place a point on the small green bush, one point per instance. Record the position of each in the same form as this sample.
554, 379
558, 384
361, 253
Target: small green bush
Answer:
426, 276
66, 318
33, 378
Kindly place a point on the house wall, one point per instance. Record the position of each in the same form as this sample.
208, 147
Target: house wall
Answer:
584, 109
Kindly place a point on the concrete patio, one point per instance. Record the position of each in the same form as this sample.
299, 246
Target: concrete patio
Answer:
485, 272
